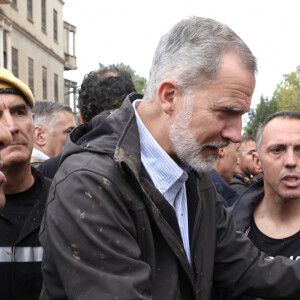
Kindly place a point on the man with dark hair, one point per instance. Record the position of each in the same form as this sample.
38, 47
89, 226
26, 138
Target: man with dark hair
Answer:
25, 192
142, 219
52, 124
244, 172
102, 90
268, 212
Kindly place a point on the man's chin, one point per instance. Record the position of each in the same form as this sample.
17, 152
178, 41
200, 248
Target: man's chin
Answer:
203, 164
17, 162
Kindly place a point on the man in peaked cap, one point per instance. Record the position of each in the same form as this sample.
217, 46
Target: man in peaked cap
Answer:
11, 85
25, 191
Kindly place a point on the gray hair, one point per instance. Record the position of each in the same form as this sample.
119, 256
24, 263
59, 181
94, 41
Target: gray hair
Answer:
45, 112
191, 53
281, 114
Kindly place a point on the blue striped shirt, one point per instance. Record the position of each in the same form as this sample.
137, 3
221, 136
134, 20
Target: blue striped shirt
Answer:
167, 177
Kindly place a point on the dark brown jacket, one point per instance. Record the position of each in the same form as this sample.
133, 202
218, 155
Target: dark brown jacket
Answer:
109, 234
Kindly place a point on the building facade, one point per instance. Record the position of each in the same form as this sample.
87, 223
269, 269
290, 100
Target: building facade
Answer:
38, 46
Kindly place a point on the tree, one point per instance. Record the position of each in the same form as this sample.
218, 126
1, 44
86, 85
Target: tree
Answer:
258, 115
287, 93
139, 81
285, 97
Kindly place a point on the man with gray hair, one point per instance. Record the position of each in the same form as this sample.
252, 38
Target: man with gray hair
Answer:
142, 219
52, 124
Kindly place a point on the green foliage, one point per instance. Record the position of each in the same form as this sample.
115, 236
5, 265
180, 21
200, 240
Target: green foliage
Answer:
139, 81
258, 115
287, 93
285, 97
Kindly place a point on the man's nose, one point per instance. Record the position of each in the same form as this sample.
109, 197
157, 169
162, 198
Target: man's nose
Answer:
233, 130
9, 122
5, 136
290, 160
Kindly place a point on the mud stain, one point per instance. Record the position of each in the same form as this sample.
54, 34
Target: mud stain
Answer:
89, 195
81, 214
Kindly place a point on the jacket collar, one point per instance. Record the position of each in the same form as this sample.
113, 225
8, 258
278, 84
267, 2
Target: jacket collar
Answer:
127, 155
115, 134
245, 205
127, 149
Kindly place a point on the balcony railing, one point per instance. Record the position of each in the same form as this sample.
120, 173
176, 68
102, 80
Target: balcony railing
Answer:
70, 62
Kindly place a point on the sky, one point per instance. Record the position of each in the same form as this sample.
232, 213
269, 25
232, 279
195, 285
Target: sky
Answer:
128, 31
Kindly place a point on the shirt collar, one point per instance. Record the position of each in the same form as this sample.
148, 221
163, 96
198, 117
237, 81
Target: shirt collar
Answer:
39, 154
163, 170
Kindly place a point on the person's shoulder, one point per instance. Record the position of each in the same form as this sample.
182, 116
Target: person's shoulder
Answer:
238, 180
50, 166
47, 182
86, 164
44, 181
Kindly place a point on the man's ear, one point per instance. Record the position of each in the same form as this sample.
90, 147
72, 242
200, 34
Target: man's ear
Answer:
81, 117
39, 135
257, 162
221, 153
167, 91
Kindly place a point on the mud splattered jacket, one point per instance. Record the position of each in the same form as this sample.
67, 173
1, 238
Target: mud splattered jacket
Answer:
108, 233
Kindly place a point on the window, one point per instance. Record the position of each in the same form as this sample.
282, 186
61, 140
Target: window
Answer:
55, 25
5, 47
56, 87
30, 74
44, 15
5, 59
44, 83
29, 10
14, 61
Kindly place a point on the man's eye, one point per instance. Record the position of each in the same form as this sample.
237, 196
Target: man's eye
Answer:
229, 112
19, 112
297, 149
276, 150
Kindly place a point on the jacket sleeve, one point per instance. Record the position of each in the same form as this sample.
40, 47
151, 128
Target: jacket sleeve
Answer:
241, 267
90, 250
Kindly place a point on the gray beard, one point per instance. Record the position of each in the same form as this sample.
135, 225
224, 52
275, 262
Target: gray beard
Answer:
187, 149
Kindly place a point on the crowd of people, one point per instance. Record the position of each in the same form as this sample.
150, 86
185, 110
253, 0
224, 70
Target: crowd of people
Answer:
154, 196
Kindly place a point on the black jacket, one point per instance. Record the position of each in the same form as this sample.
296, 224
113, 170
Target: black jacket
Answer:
108, 233
244, 207
21, 252
242, 212
50, 166
239, 183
